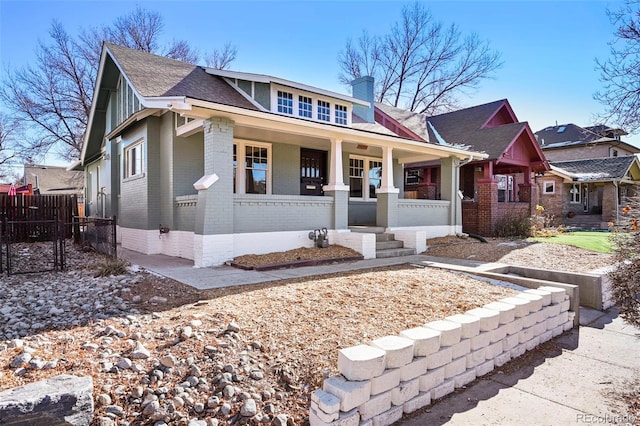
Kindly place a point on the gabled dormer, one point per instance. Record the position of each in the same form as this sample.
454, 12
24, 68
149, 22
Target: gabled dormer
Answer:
292, 99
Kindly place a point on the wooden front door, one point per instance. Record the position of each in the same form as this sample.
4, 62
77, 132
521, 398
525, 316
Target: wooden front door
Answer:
313, 171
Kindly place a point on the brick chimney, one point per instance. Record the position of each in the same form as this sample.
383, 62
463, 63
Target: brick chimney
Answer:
362, 88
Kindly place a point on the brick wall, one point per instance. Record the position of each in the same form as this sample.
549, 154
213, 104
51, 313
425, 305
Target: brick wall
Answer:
397, 375
469, 217
553, 203
487, 206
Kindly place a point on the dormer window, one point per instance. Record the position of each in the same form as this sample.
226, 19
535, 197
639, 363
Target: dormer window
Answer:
305, 106
341, 114
285, 102
324, 111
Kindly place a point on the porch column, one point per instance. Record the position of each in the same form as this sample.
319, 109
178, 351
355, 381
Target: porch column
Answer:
213, 228
387, 194
336, 187
449, 187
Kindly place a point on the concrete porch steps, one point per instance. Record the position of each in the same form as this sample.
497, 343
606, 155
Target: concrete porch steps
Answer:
584, 221
386, 244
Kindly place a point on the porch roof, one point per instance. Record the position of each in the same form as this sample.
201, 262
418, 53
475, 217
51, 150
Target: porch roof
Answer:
598, 169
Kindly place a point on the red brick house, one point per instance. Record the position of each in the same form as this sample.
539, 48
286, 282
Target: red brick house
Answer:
491, 188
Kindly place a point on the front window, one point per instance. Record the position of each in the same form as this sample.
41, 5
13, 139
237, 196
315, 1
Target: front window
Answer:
324, 111
549, 187
253, 175
305, 106
134, 160
285, 102
341, 114
364, 173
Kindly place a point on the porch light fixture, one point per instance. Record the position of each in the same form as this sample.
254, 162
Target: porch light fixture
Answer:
362, 146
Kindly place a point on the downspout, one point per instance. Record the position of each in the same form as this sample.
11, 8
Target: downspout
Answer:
615, 183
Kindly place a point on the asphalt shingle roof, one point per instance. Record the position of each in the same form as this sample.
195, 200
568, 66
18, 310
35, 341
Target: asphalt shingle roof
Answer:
564, 133
154, 76
597, 168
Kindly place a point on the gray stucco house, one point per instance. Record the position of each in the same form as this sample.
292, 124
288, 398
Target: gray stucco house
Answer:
232, 163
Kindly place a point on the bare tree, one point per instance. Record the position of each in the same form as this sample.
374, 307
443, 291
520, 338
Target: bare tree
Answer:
53, 95
620, 72
221, 59
9, 145
421, 64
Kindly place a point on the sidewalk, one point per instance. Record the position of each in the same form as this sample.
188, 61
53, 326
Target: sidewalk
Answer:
575, 373
569, 380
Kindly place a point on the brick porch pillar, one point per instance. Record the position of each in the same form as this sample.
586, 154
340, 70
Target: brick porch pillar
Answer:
487, 206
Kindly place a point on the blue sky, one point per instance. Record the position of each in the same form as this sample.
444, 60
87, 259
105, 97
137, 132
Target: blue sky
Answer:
548, 47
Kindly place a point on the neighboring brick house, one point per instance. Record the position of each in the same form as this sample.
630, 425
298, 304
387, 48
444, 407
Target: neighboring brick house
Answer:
491, 187
232, 163
592, 171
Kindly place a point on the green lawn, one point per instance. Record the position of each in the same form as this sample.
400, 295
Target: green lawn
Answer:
594, 241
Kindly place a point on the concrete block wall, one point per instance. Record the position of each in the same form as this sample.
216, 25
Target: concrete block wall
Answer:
396, 375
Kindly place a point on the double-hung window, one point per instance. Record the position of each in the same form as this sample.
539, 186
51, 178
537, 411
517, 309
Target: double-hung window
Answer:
285, 102
574, 193
341, 114
251, 167
305, 106
134, 159
365, 176
324, 111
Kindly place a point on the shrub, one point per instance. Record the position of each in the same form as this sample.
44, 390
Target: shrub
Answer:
112, 266
513, 225
625, 277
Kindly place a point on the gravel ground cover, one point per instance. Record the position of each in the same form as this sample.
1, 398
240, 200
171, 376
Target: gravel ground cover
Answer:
161, 351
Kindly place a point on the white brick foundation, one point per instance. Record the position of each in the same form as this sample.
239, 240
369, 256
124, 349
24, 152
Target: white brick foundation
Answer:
422, 364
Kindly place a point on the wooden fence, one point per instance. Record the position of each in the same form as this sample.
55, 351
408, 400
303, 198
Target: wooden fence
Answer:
36, 208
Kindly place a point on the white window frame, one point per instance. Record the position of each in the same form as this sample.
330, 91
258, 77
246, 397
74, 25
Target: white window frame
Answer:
301, 110
240, 167
280, 106
340, 114
321, 107
365, 179
575, 197
315, 97
129, 150
546, 184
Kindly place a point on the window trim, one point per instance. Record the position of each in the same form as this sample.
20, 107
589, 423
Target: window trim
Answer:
139, 143
544, 187
282, 105
572, 199
240, 168
365, 178
315, 97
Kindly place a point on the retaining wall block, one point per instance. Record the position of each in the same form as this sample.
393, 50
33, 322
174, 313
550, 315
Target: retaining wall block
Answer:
324, 416
522, 305
376, 405
425, 340
431, 379
489, 319
538, 328
502, 359
350, 393
399, 350
422, 400
553, 310
450, 332
546, 295
482, 340
485, 368
557, 330
464, 378
361, 362
389, 379
455, 367
526, 334
470, 325
351, 418
541, 315
461, 349
325, 401
475, 357
567, 326
514, 327
389, 417
415, 368
510, 342
563, 317
507, 311
531, 344
443, 390
405, 391
498, 334
564, 306
557, 293
440, 358
518, 351
528, 320
493, 350
536, 301
546, 336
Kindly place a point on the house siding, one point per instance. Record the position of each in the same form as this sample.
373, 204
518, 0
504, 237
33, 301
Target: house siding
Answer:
134, 206
286, 169
262, 94
583, 153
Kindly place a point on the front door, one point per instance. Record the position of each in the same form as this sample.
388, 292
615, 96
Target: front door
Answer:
313, 170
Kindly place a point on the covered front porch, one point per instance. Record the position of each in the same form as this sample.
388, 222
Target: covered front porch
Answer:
267, 184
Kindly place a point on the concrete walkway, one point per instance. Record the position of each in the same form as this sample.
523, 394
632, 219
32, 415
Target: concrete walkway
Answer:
566, 381
569, 380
